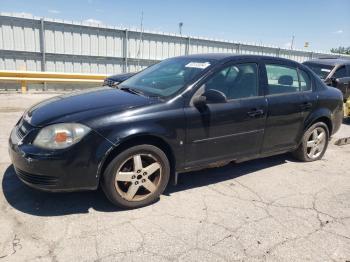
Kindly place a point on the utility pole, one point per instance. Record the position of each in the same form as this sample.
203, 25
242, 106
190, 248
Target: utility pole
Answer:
140, 41
180, 28
292, 44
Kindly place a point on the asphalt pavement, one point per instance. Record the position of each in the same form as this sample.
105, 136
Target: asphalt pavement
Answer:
274, 209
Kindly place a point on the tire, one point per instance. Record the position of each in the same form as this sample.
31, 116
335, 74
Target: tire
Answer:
136, 177
304, 151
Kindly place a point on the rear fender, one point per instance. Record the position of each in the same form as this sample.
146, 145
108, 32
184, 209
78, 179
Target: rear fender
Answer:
321, 114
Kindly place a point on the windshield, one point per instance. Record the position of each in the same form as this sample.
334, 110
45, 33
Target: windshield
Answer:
168, 77
321, 70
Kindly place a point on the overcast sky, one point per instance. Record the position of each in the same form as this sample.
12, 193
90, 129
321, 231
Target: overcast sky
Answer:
324, 24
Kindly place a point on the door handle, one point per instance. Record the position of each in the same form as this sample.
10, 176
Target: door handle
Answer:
305, 105
256, 113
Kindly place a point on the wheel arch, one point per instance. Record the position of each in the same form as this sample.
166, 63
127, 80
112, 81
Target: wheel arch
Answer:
138, 139
325, 120
324, 116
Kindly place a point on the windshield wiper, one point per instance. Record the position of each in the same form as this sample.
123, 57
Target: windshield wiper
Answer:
132, 90
137, 92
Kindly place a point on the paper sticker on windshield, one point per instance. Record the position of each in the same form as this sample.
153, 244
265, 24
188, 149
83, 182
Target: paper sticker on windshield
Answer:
325, 70
198, 65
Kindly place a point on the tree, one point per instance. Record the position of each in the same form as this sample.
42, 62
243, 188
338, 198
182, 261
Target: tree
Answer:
341, 50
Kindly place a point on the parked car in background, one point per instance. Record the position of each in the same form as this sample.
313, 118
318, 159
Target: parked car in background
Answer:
334, 72
184, 113
115, 80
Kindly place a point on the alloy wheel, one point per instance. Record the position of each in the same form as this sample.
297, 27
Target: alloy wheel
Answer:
138, 177
316, 143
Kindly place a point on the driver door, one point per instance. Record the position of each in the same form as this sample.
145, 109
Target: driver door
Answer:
232, 129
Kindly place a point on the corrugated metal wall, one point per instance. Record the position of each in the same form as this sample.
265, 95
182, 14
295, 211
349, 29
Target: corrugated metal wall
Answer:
30, 43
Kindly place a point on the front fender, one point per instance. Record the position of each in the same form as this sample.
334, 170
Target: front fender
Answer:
167, 126
123, 133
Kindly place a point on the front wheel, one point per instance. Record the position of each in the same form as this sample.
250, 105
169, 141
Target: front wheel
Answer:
137, 176
314, 143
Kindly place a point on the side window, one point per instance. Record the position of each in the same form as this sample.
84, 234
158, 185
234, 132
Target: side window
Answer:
282, 79
236, 81
305, 81
340, 72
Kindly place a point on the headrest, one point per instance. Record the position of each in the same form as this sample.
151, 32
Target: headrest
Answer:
285, 80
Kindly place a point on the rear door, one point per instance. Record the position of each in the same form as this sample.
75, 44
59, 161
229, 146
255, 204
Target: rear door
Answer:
308, 96
285, 102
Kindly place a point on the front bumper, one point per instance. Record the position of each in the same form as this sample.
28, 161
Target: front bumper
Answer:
72, 169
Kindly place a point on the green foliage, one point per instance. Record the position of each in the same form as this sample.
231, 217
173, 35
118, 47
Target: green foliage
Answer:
341, 50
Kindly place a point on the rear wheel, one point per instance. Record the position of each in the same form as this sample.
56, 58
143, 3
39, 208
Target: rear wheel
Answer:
314, 143
137, 176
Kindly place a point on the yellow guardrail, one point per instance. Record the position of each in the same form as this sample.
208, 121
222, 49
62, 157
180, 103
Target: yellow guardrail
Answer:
24, 77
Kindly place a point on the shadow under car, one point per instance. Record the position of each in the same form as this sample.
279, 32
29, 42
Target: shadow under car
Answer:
39, 203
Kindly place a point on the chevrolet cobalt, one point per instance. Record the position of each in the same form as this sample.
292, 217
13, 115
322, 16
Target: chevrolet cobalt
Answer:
184, 113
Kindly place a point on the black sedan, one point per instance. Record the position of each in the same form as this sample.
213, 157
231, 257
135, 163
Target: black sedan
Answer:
115, 80
185, 113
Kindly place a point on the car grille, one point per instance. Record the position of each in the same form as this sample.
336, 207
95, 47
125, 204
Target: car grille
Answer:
20, 134
36, 179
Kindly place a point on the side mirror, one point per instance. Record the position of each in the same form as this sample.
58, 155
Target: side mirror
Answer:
214, 96
199, 101
210, 96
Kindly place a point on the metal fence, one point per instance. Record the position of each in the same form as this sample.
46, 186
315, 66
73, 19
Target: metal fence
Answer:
37, 44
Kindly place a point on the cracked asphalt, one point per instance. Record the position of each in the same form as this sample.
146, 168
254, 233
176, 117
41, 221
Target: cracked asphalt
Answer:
271, 209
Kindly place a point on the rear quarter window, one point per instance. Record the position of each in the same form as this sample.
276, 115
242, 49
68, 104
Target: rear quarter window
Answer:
282, 79
305, 81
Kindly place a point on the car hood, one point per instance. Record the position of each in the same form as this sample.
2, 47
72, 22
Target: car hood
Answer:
84, 105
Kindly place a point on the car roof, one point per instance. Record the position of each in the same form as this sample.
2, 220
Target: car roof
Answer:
329, 61
228, 56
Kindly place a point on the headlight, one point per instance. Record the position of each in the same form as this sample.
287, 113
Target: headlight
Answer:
60, 136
